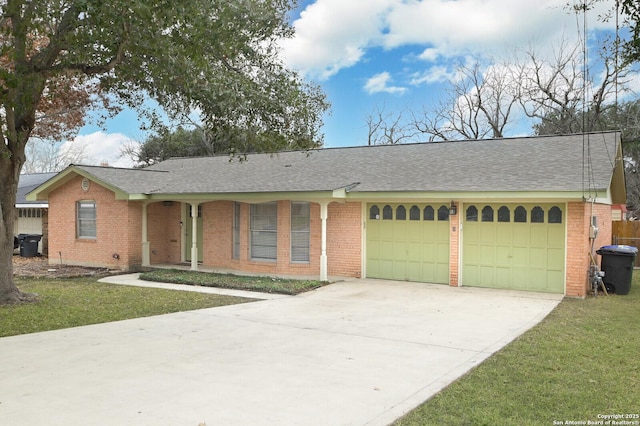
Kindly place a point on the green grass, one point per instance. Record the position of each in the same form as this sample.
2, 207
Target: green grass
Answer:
582, 361
237, 282
82, 301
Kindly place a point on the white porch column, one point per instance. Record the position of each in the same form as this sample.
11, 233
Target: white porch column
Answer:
324, 213
194, 237
146, 252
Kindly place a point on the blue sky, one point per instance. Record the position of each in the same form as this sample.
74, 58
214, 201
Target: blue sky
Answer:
391, 55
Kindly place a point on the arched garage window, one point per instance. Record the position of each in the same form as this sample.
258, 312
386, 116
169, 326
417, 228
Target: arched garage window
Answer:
537, 215
555, 215
374, 212
443, 213
472, 214
520, 215
428, 213
487, 214
414, 213
387, 213
401, 213
504, 215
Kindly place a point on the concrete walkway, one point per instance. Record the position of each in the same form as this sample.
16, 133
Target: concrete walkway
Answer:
133, 280
360, 352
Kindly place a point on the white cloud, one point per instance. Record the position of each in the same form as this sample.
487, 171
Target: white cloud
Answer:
379, 83
434, 74
335, 34
429, 54
100, 147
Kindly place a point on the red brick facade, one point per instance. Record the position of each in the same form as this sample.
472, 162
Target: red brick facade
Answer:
167, 226
118, 243
579, 245
119, 224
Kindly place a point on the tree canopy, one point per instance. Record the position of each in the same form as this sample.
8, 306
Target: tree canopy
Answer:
215, 58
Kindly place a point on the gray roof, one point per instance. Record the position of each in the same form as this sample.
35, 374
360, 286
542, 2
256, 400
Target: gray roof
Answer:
549, 163
29, 182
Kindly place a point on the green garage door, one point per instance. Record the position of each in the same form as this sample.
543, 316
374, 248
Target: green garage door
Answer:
512, 246
408, 242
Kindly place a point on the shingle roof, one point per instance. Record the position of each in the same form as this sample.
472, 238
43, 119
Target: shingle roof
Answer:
550, 163
29, 182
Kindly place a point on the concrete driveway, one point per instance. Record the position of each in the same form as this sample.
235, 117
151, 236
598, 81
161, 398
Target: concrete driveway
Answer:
361, 352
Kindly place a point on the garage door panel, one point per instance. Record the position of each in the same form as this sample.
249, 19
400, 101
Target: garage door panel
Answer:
521, 233
414, 271
414, 251
517, 255
386, 250
520, 256
503, 257
538, 236
486, 255
405, 249
503, 277
399, 270
414, 231
442, 255
555, 259
555, 238
428, 251
487, 274
442, 233
488, 234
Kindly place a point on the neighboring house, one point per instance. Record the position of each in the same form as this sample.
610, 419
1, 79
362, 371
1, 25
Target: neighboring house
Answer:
506, 213
31, 216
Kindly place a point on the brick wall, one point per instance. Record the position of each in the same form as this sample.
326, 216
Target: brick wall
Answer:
119, 224
579, 245
343, 240
164, 229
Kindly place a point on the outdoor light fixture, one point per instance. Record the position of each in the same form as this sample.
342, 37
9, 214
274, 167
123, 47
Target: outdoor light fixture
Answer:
453, 209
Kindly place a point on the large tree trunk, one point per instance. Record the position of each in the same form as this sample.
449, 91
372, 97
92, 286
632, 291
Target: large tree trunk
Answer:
9, 174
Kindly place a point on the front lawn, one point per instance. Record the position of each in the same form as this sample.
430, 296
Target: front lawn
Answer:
580, 364
74, 302
237, 282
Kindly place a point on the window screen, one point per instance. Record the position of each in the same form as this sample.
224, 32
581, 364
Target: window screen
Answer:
300, 219
264, 231
86, 219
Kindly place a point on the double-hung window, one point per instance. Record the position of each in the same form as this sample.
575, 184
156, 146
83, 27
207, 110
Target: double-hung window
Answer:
264, 231
86, 219
299, 232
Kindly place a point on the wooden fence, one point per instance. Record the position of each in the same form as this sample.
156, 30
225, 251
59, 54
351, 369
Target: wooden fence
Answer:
627, 232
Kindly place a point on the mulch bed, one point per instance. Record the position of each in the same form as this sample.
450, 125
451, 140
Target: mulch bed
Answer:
39, 266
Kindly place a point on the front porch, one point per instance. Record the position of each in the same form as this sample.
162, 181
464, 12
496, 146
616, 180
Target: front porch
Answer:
236, 237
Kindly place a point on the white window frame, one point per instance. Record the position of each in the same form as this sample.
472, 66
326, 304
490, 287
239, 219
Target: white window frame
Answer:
263, 230
86, 226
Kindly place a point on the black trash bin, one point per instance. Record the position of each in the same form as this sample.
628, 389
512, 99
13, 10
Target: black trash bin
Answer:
29, 244
617, 264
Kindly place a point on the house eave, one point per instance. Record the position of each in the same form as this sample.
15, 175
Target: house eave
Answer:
41, 193
248, 197
469, 196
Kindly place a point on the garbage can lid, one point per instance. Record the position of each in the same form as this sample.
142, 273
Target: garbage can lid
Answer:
618, 249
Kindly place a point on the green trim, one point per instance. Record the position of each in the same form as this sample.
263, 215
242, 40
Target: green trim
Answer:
467, 196
261, 197
42, 192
